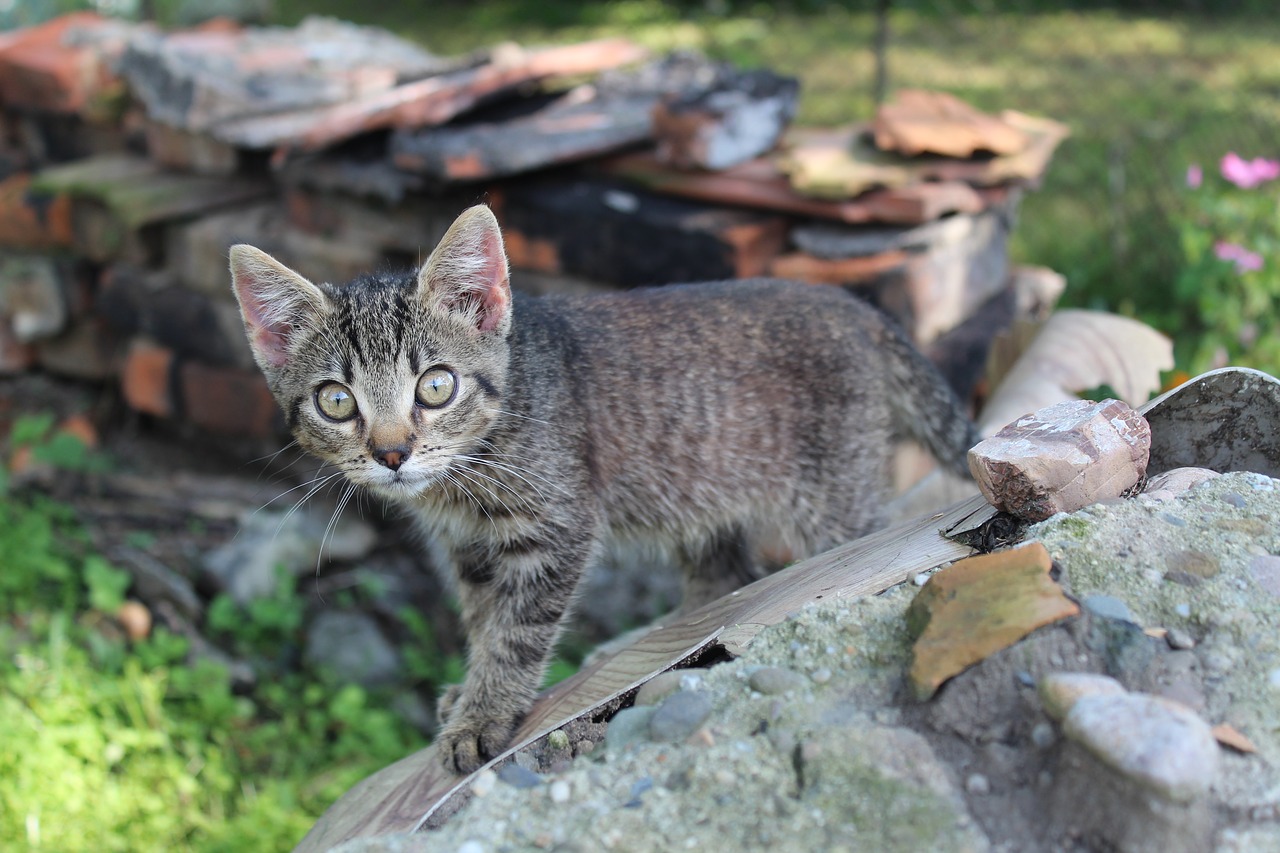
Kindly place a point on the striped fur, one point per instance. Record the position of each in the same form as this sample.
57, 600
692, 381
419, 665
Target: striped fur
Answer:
709, 420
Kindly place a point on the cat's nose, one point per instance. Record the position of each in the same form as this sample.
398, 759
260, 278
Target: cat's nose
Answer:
392, 457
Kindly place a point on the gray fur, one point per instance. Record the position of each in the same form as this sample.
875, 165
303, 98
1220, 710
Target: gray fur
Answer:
711, 419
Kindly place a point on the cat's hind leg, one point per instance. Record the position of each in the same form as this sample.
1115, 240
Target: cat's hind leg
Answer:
715, 566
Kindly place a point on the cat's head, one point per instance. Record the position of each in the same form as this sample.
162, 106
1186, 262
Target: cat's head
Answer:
391, 376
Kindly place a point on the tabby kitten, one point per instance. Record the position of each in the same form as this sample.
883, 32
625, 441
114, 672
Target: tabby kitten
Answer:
524, 433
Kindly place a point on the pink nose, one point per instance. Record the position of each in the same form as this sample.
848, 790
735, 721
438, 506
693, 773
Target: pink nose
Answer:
392, 458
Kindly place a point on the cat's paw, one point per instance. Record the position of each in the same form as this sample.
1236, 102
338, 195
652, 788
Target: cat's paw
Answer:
447, 701
468, 742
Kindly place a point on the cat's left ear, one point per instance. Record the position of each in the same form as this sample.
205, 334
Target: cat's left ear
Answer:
467, 273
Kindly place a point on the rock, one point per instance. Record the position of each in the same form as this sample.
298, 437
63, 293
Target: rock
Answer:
773, 679
1062, 458
136, 619
661, 686
1265, 571
559, 791
351, 646
1108, 607
977, 784
888, 782
976, 607
679, 716
484, 783
628, 727
1190, 567
246, 567
1179, 639
1155, 742
1170, 484
1059, 691
518, 777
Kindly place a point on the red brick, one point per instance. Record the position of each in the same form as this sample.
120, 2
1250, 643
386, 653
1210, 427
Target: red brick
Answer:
228, 401
41, 69
146, 379
33, 221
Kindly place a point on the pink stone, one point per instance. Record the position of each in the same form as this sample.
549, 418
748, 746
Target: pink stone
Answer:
1062, 458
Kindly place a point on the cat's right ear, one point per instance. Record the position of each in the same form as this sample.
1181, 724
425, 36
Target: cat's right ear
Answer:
277, 304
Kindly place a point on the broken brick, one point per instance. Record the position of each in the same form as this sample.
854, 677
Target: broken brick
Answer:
63, 65
1062, 458
147, 379
228, 401
802, 266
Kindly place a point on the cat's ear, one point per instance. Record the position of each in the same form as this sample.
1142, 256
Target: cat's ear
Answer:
467, 273
277, 304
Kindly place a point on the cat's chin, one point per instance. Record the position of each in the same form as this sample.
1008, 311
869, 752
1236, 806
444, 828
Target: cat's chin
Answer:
401, 488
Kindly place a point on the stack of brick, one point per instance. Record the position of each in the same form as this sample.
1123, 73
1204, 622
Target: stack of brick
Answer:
131, 158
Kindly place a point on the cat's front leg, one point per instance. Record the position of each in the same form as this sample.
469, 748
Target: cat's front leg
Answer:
514, 600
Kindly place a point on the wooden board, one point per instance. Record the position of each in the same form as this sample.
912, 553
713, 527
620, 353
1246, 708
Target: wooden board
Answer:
406, 795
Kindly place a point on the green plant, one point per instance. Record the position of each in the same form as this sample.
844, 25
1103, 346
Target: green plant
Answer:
1223, 299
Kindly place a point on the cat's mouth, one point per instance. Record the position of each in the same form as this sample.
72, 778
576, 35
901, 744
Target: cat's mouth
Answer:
399, 484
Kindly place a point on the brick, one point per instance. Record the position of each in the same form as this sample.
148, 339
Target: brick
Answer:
608, 233
33, 221
802, 266
411, 227
1062, 458
147, 379
228, 401
86, 350
64, 65
192, 152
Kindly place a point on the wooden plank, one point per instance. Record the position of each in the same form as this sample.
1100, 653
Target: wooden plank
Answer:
407, 795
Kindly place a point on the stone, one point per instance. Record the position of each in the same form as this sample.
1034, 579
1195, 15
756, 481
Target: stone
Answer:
659, 687
1169, 484
1265, 571
1059, 691
145, 379
773, 679
1062, 458
32, 300
64, 65
679, 716
1154, 742
352, 647
516, 776
978, 606
629, 727
1108, 607
1229, 736
1190, 566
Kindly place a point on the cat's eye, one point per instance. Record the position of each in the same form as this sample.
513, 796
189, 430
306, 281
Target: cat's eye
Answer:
335, 401
436, 387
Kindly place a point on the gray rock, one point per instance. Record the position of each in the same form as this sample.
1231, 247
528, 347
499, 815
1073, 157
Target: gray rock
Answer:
679, 716
247, 567
628, 727
773, 679
1108, 607
663, 685
1152, 741
518, 777
351, 646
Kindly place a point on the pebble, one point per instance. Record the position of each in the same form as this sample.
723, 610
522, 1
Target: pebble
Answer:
821, 675
1179, 639
977, 784
1170, 518
1265, 570
484, 783
628, 727
638, 789
1108, 607
1160, 744
1235, 500
558, 739
471, 846
679, 716
1060, 691
772, 680
658, 688
1042, 735
519, 777
559, 791
1183, 609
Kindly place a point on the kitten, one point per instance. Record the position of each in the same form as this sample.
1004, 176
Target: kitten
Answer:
526, 432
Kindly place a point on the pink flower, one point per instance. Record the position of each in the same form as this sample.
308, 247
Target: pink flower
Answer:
1247, 174
1244, 260
1195, 176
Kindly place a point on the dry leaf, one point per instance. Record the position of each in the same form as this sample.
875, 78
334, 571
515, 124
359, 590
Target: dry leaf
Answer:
1074, 351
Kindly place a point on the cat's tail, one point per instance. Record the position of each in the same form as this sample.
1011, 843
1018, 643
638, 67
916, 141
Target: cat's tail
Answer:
925, 406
